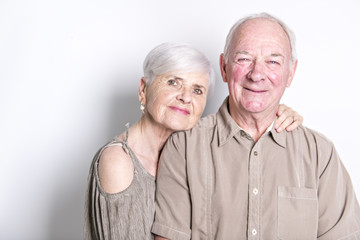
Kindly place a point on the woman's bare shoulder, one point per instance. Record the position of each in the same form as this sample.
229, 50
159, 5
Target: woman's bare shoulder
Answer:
116, 169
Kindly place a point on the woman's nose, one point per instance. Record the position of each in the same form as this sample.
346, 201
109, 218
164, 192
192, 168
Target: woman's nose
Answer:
184, 95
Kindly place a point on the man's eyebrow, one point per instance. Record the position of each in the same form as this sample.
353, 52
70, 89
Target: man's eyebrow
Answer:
242, 52
271, 55
276, 55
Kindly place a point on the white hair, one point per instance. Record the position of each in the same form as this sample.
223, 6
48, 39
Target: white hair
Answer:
180, 57
267, 16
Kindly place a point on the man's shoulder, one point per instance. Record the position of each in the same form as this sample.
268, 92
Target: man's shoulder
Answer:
207, 122
304, 141
311, 135
203, 126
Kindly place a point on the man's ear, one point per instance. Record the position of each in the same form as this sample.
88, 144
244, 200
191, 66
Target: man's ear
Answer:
291, 74
142, 90
222, 63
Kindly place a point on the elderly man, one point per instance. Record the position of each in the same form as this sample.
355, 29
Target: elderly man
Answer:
234, 177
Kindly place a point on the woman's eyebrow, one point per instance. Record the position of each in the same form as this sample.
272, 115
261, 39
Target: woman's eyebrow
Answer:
199, 86
194, 85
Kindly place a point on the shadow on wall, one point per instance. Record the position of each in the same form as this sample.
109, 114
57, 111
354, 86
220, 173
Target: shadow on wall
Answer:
124, 109
68, 198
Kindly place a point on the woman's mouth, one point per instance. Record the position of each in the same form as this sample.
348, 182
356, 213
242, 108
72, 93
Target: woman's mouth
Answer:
180, 110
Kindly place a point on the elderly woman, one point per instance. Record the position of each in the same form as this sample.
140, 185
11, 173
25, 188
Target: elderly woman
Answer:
172, 95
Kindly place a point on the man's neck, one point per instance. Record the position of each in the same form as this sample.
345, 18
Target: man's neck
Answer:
255, 124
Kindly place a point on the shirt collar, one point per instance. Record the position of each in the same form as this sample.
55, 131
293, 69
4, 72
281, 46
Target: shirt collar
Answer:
228, 128
278, 137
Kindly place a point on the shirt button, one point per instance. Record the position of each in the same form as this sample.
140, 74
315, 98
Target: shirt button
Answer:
254, 232
242, 133
255, 191
255, 153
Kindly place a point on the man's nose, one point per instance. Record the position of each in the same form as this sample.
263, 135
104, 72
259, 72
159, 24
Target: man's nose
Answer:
257, 71
185, 94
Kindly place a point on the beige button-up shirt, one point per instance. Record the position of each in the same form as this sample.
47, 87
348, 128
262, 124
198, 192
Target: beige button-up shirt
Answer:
216, 182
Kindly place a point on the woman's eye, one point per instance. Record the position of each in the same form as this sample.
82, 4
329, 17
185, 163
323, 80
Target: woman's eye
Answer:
172, 82
198, 91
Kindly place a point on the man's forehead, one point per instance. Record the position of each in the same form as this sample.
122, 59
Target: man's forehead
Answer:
260, 22
262, 29
261, 26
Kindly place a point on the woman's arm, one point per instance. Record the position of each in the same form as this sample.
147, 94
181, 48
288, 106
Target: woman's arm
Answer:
287, 119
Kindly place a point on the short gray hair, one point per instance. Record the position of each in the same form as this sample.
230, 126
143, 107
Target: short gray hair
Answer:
240, 22
168, 57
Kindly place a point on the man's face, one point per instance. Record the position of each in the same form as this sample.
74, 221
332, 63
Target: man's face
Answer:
258, 67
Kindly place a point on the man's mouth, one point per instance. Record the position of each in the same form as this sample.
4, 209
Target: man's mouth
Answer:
255, 91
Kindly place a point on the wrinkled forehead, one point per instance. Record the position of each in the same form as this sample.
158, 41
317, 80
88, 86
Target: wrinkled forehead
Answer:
190, 78
261, 29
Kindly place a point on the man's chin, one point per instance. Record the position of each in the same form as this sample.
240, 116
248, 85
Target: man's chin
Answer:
255, 108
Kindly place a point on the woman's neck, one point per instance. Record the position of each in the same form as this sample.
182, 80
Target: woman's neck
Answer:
147, 139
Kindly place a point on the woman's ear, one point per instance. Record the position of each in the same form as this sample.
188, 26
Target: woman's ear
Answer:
142, 91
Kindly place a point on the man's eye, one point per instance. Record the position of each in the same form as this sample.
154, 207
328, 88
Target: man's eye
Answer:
242, 59
198, 91
273, 62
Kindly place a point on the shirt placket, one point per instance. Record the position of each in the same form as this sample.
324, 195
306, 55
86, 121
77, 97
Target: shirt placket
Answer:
254, 193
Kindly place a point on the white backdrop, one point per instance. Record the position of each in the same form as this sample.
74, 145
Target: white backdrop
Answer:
69, 72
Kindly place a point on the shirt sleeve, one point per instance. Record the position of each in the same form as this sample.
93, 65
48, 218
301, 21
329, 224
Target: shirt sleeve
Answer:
339, 212
172, 201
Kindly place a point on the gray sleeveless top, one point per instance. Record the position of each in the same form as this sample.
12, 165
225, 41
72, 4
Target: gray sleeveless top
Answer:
125, 215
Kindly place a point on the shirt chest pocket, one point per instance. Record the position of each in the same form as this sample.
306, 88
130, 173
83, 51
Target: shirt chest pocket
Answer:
297, 213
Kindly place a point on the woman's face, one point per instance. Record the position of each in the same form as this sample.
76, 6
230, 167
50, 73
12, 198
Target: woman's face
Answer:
176, 100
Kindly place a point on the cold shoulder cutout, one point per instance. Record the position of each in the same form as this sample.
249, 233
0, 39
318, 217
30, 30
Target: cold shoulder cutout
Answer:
127, 214
115, 169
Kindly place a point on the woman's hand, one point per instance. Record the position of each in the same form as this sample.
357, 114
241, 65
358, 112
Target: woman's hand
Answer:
287, 119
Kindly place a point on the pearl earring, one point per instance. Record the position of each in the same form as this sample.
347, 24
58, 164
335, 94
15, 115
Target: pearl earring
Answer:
142, 107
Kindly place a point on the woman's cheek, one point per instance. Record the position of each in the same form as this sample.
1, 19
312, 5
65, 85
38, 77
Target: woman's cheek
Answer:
199, 107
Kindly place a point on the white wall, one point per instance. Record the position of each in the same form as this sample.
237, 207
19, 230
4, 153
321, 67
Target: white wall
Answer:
69, 72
